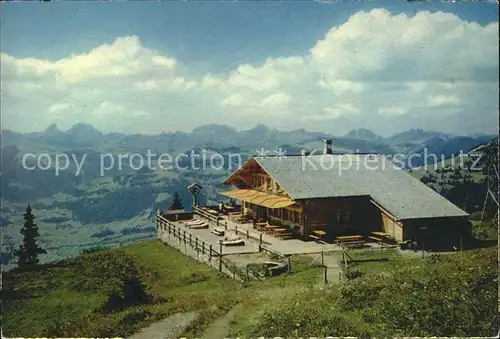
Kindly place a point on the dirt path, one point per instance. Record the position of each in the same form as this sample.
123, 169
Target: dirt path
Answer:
171, 327
220, 327
333, 272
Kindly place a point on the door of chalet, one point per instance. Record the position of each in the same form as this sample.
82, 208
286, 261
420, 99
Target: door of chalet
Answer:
261, 213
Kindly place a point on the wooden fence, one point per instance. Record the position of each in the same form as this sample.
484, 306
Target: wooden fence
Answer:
199, 245
200, 249
257, 236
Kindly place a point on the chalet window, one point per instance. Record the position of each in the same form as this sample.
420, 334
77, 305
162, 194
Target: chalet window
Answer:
254, 181
346, 217
285, 214
260, 181
269, 184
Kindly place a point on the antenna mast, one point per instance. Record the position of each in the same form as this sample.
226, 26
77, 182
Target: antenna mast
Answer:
492, 189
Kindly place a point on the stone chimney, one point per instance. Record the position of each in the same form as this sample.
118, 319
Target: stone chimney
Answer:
328, 146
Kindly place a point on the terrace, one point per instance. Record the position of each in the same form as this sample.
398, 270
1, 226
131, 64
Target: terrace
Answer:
267, 236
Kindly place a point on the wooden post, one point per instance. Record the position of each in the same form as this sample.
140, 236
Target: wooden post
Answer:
248, 235
196, 243
202, 247
260, 239
210, 253
322, 259
326, 278
217, 221
190, 240
220, 255
381, 247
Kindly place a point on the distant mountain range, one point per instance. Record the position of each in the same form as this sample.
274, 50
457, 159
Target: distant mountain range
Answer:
216, 137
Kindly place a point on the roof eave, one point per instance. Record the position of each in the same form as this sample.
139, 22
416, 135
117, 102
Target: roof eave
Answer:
466, 215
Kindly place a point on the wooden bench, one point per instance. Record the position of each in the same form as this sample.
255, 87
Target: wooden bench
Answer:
375, 238
284, 235
261, 226
346, 239
315, 237
357, 243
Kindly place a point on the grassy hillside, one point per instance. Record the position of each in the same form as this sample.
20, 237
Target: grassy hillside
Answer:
105, 211
64, 299
404, 297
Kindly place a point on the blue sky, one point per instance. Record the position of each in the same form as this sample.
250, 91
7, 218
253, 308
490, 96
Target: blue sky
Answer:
215, 39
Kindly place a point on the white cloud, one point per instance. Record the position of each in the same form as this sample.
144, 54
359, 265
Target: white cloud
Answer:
341, 86
234, 100
377, 70
442, 100
108, 109
124, 57
276, 100
210, 81
58, 107
393, 111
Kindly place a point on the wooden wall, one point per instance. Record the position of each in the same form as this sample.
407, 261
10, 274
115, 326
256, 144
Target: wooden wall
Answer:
440, 233
392, 226
350, 215
253, 176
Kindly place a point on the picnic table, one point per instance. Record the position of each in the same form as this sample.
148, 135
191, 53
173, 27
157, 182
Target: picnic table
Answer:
260, 225
350, 240
349, 237
280, 229
211, 211
381, 237
317, 234
381, 234
282, 233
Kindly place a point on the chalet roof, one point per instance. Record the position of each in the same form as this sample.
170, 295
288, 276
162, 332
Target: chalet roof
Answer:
317, 176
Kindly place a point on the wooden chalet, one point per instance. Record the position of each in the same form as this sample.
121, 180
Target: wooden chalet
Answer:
320, 192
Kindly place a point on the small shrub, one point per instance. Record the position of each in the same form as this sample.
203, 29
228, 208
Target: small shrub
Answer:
195, 278
133, 293
114, 303
93, 249
105, 233
354, 273
133, 318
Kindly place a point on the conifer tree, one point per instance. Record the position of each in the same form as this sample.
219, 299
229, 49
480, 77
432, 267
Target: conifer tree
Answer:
28, 252
176, 203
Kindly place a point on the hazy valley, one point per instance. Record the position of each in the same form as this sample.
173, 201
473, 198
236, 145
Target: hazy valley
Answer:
76, 210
